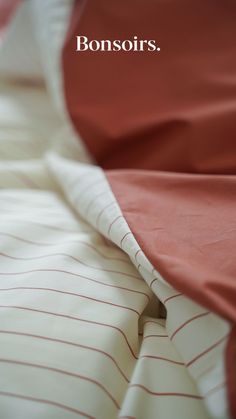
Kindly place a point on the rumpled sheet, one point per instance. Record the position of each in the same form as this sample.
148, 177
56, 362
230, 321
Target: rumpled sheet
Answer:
82, 328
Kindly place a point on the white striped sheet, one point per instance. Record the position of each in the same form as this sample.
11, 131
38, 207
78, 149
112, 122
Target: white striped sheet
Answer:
91, 196
64, 335
200, 339
105, 215
215, 396
26, 407
53, 386
78, 250
119, 339
65, 261
78, 359
160, 385
90, 246
97, 326
109, 337
82, 295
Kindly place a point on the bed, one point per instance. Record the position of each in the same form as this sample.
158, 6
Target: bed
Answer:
96, 319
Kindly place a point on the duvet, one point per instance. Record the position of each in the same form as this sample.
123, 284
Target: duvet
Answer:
117, 202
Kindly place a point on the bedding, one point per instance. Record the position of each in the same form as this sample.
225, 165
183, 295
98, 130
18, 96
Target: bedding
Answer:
104, 311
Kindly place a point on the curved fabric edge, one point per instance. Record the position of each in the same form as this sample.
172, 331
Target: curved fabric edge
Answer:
88, 191
170, 215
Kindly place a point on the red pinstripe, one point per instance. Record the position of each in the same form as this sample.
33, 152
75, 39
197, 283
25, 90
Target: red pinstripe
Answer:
72, 294
76, 275
73, 258
121, 242
69, 343
171, 298
44, 401
198, 316
112, 223
174, 394
152, 282
69, 241
155, 336
102, 211
162, 359
196, 358
64, 372
136, 254
66, 316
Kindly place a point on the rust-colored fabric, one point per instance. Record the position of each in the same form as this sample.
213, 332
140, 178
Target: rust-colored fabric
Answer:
186, 226
173, 114
170, 110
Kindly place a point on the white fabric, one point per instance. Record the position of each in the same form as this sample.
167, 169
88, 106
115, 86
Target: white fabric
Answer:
198, 335
81, 333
